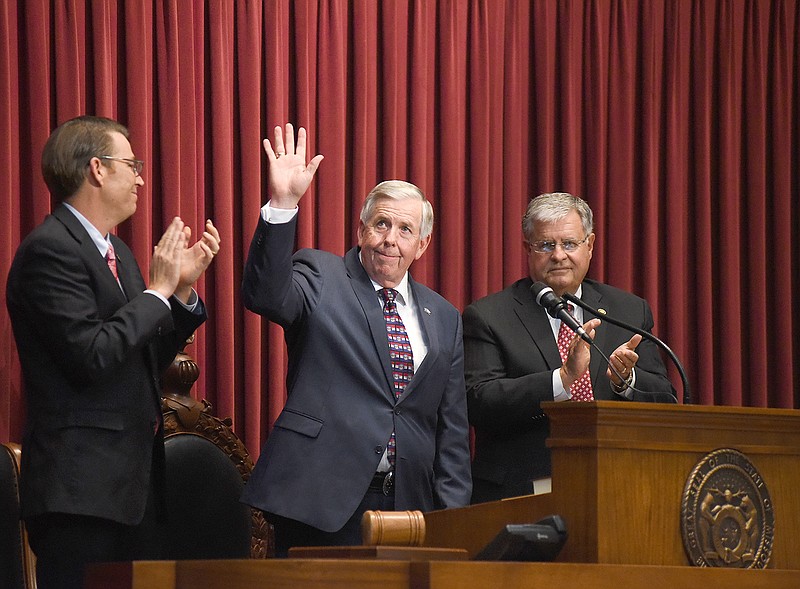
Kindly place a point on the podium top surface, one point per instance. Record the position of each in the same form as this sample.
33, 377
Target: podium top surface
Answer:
660, 425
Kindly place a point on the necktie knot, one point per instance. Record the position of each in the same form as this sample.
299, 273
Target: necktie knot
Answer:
388, 295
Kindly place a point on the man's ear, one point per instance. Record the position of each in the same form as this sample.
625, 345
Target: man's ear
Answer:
590, 244
97, 172
361, 229
423, 245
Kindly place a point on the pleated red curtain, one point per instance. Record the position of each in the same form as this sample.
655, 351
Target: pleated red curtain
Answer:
678, 121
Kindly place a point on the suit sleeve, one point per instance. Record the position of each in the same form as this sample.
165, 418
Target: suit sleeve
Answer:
186, 323
88, 331
272, 284
504, 387
651, 374
453, 479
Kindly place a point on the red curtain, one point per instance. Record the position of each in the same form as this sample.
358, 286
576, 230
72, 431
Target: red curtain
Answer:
678, 121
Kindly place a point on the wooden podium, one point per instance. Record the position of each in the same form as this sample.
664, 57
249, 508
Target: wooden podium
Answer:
619, 472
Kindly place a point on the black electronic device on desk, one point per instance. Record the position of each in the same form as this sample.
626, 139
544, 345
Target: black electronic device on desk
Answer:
539, 542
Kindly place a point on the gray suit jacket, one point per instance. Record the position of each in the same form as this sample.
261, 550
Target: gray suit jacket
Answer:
91, 360
510, 354
328, 440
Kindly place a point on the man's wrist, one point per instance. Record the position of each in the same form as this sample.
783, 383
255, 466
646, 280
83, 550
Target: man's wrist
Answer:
624, 385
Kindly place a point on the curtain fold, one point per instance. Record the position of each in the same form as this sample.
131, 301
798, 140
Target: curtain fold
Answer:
677, 121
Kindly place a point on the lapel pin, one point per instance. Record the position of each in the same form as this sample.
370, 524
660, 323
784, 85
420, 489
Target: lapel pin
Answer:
427, 310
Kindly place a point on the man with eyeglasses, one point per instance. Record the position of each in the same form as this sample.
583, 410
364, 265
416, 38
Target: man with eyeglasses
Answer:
514, 349
93, 339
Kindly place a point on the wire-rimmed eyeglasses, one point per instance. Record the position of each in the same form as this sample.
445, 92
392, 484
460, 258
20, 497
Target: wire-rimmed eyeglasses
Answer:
136, 165
549, 246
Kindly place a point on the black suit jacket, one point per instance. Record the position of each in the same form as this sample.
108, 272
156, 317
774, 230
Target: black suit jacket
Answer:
340, 411
91, 359
510, 355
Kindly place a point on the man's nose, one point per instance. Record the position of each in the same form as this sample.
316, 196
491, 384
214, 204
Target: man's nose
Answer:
391, 235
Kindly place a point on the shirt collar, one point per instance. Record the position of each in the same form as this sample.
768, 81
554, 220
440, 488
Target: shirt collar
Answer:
99, 240
403, 291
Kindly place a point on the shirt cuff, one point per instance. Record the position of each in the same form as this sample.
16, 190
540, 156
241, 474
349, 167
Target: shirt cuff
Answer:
277, 216
192, 304
627, 392
159, 296
559, 392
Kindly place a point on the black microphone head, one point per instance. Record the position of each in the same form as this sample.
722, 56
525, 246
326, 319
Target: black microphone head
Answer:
539, 289
545, 297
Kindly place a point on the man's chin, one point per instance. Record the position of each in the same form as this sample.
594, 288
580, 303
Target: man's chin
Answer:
386, 278
559, 282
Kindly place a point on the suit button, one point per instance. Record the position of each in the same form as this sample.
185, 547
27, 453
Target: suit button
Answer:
378, 449
397, 411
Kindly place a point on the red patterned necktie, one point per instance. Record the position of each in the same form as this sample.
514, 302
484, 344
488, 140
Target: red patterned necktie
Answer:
581, 389
399, 352
111, 260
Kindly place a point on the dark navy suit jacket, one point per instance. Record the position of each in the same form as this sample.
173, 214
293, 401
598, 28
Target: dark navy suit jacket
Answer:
340, 411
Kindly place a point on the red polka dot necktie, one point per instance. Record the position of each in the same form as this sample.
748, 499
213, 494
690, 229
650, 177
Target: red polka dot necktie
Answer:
400, 354
581, 389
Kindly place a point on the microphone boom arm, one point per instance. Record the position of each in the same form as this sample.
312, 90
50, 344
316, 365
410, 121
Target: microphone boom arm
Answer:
687, 395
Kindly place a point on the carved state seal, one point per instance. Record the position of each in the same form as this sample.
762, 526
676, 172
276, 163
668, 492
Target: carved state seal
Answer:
727, 516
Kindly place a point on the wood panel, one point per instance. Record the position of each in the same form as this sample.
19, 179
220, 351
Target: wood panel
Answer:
355, 574
442, 575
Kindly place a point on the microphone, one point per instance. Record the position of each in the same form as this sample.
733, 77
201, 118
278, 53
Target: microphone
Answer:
557, 308
687, 395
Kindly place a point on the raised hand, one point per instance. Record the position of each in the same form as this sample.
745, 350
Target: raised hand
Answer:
289, 175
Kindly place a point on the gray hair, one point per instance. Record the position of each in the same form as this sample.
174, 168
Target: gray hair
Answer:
399, 190
554, 206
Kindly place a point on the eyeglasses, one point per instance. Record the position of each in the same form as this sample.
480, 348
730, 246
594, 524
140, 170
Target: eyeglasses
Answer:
136, 165
548, 246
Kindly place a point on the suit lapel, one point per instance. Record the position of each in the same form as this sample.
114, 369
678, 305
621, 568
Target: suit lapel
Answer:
535, 321
367, 298
90, 253
425, 310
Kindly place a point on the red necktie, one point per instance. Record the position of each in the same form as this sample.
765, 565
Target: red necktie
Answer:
581, 389
111, 260
399, 352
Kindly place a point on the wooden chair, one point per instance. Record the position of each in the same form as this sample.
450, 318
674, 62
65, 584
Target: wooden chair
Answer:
207, 467
17, 561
